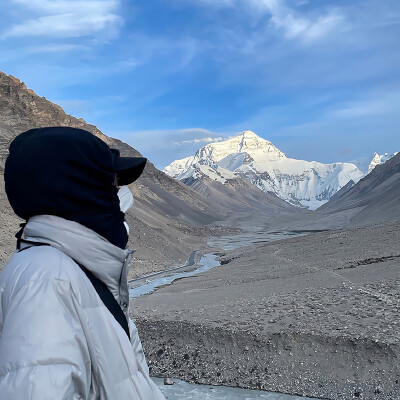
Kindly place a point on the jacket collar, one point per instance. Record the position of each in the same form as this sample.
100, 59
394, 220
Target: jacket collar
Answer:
107, 262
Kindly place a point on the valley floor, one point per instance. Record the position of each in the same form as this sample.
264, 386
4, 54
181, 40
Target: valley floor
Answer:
316, 315
157, 253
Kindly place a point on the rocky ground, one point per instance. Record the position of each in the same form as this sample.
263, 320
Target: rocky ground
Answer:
316, 315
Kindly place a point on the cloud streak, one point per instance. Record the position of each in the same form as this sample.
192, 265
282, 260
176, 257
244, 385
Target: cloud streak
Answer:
378, 105
283, 18
166, 145
201, 140
296, 25
55, 48
66, 19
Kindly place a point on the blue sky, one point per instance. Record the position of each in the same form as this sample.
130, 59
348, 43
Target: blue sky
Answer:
318, 78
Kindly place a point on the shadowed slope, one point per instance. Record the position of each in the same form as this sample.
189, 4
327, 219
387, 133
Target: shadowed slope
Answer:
377, 195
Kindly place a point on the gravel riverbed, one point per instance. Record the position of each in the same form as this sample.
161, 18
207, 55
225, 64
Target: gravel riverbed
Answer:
316, 315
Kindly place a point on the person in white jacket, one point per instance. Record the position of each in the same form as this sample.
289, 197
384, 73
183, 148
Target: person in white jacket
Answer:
64, 301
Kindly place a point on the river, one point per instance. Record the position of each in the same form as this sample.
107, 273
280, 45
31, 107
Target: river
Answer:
208, 261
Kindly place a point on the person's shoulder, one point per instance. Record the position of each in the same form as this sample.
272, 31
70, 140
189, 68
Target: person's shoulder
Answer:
39, 263
46, 266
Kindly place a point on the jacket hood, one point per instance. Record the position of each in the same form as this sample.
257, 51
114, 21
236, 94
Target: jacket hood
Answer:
69, 173
107, 262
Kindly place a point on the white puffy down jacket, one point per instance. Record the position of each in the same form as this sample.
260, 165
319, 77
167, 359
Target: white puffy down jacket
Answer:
57, 339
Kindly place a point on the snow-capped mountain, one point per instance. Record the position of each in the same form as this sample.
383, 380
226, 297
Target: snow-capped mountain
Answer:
248, 156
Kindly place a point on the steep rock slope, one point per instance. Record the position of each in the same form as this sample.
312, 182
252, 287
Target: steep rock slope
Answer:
376, 196
248, 156
248, 205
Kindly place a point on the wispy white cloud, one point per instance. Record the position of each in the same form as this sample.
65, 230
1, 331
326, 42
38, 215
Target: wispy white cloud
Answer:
55, 48
174, 53
210, 3
163, 146
306, 29
124, 65
294, 24
65, 6
201, 140
174, 137
284, 18
378, 105
65, 18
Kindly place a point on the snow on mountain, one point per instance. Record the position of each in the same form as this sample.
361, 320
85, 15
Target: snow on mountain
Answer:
248, 156
229, 154
196, 171
366, 164
379, 159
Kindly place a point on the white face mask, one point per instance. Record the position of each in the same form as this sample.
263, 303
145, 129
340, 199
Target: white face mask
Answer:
125, 202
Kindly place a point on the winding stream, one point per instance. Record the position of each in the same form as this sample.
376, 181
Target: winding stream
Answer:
208, 261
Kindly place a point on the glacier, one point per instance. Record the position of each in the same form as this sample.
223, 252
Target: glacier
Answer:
307, 184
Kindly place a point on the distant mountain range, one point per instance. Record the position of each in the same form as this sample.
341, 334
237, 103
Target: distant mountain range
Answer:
256, 160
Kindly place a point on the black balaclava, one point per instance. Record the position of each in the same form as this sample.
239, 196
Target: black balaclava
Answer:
69, 173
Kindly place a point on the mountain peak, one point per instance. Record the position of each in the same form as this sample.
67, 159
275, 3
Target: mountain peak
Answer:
249, 134
244, 147
249, 142
243, 142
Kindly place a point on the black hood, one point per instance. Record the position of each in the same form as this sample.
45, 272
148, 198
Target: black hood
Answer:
69, 173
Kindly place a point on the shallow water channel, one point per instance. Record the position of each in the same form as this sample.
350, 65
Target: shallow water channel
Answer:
208, 261
187, 391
